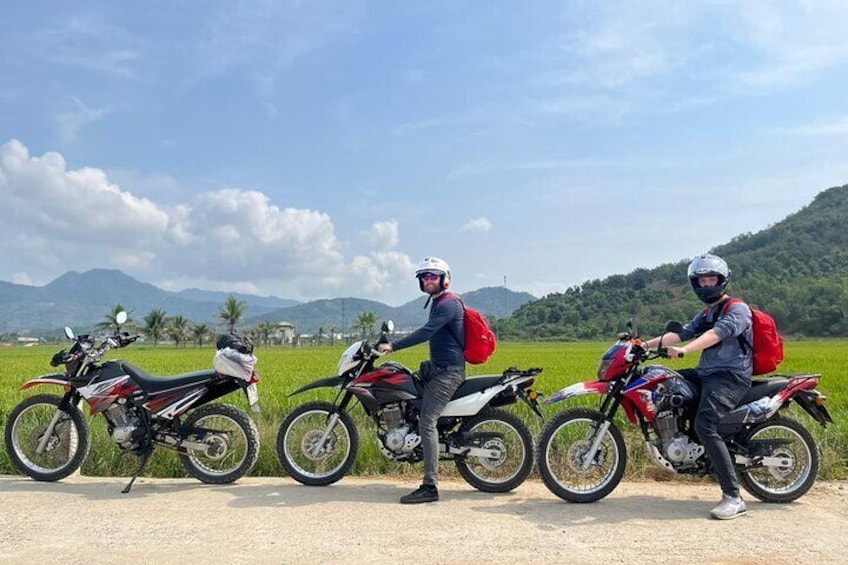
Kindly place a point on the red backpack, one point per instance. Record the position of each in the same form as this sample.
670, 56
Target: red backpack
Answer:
767, 346
480, 341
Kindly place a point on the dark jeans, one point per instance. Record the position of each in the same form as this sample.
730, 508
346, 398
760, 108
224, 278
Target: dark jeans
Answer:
439, 386
719, 394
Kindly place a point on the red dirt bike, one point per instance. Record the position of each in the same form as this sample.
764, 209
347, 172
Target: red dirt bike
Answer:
48, 439
581, 453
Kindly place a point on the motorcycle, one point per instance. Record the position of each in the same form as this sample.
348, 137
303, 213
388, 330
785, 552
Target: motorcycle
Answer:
318, 442
48, 439
581, 453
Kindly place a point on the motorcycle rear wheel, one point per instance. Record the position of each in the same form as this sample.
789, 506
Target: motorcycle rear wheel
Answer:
298, 447
232, 444
511, 438
783, 484
562, 443
66, 449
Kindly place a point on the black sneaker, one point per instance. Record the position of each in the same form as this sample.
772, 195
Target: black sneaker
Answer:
424, 493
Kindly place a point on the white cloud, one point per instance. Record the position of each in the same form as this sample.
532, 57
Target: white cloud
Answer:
478, 225
384, 235
383, 270
56, 219
41, 195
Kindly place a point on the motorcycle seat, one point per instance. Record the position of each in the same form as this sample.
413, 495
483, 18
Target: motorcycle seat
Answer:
762, 388
153, 383
475, 384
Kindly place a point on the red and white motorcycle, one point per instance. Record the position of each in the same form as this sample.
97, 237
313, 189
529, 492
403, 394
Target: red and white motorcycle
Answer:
493, 450
47, 437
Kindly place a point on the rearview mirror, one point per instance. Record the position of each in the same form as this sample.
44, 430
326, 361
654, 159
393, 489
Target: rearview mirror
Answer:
388, 326
69, 333
121, 317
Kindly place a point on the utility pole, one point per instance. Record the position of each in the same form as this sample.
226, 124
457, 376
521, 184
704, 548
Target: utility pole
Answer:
505, 298
343, 321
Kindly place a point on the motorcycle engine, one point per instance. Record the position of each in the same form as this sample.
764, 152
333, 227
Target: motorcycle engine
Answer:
397, 441
124, 426
676, 446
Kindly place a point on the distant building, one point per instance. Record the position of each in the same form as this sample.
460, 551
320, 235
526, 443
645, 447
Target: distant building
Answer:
28, 341
284, 333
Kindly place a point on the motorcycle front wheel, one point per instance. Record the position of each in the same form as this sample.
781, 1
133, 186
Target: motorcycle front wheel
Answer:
317, 445
564, 442
63, 451
505, 434
230, 443
793, 444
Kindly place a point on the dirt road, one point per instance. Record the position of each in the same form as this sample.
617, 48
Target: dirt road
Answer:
275, 520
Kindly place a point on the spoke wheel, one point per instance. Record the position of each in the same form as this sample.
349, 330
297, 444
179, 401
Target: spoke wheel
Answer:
230, 444
796, 446
563, 446
65, 449
508, 436
301, 451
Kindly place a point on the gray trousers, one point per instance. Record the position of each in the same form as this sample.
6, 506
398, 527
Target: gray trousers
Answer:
438, 390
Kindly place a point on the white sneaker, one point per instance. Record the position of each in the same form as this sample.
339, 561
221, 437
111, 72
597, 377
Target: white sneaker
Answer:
729, 508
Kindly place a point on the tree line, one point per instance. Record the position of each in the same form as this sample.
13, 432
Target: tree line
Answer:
157, 325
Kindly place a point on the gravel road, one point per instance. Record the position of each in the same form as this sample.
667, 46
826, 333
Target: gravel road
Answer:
275, 520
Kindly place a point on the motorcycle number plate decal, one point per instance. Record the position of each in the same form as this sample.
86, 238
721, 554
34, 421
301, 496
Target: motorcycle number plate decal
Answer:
252, 394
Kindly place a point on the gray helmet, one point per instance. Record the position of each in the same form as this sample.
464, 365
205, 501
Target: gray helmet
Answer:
708, 265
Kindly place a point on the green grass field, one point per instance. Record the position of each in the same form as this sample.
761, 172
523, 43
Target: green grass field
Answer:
283, 370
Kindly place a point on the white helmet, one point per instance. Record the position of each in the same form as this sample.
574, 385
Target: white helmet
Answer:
437, 266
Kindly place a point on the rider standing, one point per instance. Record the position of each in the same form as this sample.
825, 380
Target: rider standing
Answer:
445, 371
724, 371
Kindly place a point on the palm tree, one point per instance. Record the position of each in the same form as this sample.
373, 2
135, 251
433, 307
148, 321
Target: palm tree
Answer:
154, 324
264, 329
200, 332
177, 329
366, 321
109, 323
232, 312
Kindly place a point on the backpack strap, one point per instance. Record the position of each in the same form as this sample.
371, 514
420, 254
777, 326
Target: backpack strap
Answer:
461, 303
743, 343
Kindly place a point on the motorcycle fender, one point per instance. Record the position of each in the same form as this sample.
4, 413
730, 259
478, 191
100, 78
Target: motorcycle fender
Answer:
332, 382
59, 379
807, 400
578, 389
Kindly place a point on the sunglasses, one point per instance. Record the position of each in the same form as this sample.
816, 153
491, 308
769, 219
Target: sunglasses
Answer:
428, 276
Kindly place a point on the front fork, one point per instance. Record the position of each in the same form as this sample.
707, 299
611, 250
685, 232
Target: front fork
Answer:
331, 422
48, 433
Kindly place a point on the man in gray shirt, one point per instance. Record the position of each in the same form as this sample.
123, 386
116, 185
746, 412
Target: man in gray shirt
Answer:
724, 371
446, 333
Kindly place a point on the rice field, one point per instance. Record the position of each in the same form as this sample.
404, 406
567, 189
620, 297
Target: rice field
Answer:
284, 369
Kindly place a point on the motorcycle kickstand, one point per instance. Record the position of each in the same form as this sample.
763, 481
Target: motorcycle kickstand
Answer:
144, 458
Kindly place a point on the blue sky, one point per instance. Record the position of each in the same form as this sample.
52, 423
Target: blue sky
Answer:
319, 149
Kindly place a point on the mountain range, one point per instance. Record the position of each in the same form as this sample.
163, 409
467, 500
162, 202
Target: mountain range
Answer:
84, 299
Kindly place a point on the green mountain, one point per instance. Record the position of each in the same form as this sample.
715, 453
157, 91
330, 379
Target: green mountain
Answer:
797, 270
